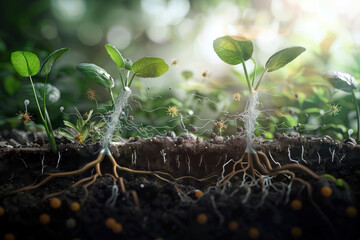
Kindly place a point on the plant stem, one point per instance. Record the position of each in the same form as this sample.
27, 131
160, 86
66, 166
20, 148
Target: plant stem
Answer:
261, 77
131, 80
112, 96
357, 114
50, 135
122, 79
247, 76
44, 96
253, 79
127, 78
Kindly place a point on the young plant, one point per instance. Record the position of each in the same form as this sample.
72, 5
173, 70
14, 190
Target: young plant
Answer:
84, 130
237, 50
27, 64
347, 83
147, 67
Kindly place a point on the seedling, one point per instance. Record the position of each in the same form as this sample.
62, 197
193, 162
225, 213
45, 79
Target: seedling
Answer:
27, 64
236, 50
347, 83
147, 67
84, 130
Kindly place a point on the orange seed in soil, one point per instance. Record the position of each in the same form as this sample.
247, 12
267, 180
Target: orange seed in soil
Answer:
253, 233
75, 206
55, 203
202, 218
44, 219
326, 191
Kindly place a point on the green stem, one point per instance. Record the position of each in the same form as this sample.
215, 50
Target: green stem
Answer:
122, 79
357, 114
247, 76
131, 80
261, 77
44, 96
253, 79
36, 100
49, 132
127, 78
112, 96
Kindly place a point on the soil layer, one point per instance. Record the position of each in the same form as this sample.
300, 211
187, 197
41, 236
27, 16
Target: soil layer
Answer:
172, 210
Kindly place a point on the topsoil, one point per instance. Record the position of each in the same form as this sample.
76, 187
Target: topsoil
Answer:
165, 213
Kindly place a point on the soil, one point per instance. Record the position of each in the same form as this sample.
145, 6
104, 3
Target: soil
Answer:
165, 212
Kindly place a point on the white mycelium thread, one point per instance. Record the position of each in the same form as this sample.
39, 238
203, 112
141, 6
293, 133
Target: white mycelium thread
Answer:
249, 117
112, 126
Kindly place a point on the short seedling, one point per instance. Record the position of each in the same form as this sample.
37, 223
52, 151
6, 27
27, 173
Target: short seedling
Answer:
346, 83
236, 50
27, 64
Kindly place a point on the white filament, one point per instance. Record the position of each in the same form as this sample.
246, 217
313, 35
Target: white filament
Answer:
120, 104
249, 117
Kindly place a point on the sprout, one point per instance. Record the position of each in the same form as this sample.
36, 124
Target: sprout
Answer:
26, 102
61, 109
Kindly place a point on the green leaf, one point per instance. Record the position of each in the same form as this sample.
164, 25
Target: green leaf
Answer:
52, 93
96, 74
233, 49
187, 74
70, 125
25, 63
149, 67
283, 57
342, 81
66, 133
115, 56
51, 59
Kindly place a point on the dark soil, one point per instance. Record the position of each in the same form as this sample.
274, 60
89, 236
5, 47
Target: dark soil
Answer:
166, 214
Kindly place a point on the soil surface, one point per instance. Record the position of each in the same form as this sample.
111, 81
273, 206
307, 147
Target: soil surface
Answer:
172, 210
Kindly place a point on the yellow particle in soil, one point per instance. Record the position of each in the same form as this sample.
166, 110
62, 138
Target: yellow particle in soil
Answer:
55, 203
2, 211
110, 223
237, 97
202, 218
159, 238
296, 204
117, 228
75, 206
172, 111
351, 212
233, 225
253, 233
9, 236
198, 193
326, 191
44, 219
296, 232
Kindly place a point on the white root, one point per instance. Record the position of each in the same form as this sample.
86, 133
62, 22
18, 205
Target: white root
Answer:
249, 117
292, 160
120, 103
163, 154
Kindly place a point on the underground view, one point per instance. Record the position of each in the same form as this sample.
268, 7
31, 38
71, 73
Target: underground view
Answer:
257, 145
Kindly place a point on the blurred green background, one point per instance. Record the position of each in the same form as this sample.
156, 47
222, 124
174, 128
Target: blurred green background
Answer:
184, 30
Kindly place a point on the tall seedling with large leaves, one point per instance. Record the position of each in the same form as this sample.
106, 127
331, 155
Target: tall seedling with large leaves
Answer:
236, 50
27, 64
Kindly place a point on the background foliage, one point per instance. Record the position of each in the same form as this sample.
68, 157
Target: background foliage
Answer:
184, 30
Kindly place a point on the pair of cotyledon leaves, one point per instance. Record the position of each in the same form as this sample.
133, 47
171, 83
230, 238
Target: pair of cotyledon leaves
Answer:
27, 64
237, 49
146, 67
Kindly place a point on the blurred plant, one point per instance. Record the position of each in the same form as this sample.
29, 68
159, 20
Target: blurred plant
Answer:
27, 64
347, 83
85, 129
